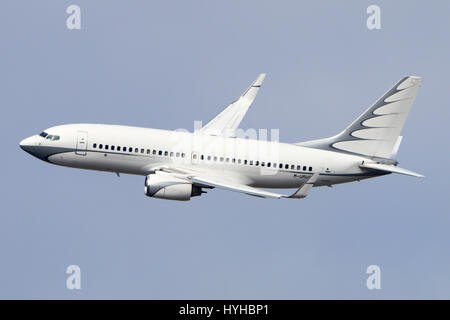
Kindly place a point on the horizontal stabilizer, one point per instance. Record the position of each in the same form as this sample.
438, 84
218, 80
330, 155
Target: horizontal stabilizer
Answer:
390, 168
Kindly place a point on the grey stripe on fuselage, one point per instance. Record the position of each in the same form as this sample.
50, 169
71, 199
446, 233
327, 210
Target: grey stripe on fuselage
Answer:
44, 152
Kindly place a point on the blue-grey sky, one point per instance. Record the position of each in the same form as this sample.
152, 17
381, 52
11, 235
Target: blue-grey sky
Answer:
164, 64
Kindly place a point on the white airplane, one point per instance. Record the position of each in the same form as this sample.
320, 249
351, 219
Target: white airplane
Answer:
180, 165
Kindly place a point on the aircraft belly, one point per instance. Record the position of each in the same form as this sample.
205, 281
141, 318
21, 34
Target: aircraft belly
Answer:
98, 161
280, 180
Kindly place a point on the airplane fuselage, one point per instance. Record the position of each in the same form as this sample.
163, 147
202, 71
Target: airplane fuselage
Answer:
135, 150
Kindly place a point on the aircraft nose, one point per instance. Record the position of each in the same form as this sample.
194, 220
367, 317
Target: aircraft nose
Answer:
27, 142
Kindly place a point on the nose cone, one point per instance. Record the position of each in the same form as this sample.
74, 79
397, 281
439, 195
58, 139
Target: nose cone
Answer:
33, 147
29, 145
27, 142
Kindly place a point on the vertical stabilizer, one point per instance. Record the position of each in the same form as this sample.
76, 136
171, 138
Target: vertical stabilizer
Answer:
376, 132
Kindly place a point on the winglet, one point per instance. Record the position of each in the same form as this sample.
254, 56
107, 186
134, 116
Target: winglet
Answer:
303, 191
251, 92
226, 122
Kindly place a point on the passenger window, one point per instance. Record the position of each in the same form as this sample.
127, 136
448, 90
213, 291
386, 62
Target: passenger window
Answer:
194, 156
154, 151
256, 163
136, 150
148, 151
215, 158
227, 160
177, 154
160, 152
268, 164
292, 167
130, 149
142, 150
100, 146
262, 164
310, 168
239, 161
298, 168
118, 148
286, 166
233, 160
166, 153
171, 154
281, 166
304, 168
112, 148
106, 147
245, 161
251, 162
182, 155
209, 157
94, 146
202, 157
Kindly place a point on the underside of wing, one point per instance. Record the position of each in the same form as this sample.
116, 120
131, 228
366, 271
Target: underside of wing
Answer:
218, 183
226, 122
202, 179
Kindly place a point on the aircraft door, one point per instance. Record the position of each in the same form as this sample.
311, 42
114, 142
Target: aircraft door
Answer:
82, 141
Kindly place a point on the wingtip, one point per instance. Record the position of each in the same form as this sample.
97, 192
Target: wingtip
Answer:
260, 79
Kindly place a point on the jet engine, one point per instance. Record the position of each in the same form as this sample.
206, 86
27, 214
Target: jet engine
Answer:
163, 186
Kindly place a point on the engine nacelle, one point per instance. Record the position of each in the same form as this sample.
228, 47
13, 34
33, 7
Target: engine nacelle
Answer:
163, 186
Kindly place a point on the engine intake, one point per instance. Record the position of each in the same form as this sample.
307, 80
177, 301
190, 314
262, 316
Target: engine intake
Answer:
163, 186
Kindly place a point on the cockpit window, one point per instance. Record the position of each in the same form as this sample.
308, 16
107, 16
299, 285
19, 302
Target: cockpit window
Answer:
50, 137
43, 134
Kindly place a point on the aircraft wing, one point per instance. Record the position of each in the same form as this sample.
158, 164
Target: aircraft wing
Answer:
226, 122
218, 183
202, 179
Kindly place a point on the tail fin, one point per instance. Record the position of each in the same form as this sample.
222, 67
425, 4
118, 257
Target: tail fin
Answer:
376, 133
